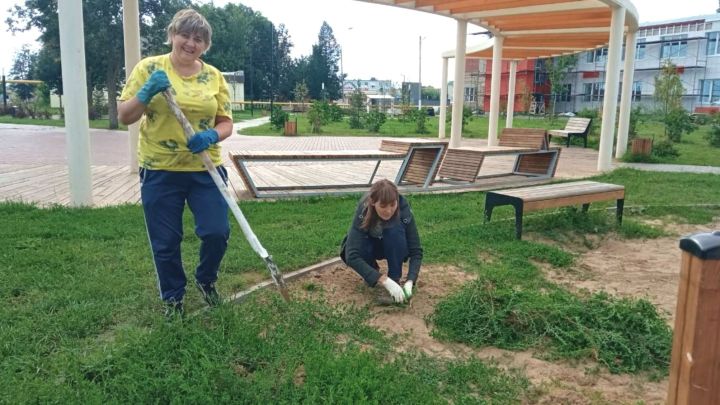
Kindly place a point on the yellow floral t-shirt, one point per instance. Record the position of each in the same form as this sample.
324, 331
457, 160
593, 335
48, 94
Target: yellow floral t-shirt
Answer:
203, 96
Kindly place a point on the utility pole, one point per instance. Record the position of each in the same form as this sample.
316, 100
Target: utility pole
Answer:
420, 73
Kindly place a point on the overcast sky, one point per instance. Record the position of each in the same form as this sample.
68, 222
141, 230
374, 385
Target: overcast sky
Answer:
377, 41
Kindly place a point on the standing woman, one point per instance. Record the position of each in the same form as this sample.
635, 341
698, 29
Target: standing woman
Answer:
384, 228
171, 171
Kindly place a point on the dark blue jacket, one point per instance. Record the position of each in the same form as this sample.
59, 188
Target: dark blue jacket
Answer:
356, 235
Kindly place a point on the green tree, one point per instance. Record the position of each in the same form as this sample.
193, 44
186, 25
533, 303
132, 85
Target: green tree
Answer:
22, 69
300, 94
430, 93
48, 69
357, 107
668, 89
668, 94
323, 66
104, 61
557, 70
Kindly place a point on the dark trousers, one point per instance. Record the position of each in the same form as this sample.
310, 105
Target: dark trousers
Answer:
164, 195
392, 246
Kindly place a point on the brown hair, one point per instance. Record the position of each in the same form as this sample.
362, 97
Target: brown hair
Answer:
189, 21
383, 192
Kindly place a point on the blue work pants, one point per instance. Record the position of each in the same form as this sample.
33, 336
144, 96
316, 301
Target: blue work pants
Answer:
391, 246
164, 194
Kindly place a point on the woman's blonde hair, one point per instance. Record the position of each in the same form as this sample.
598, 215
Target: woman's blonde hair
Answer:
383, 192
189, 21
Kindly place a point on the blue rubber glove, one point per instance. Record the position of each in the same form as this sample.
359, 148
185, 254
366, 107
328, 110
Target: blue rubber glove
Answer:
202, 140
157, 82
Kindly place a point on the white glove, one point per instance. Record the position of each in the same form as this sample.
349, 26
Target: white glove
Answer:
396, 292
408, 289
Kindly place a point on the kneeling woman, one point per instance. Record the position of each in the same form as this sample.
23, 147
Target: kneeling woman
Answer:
384, 228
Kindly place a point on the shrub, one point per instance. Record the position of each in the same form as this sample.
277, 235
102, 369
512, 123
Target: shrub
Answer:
278, 118
701, 119
677, 122
713, 135
636, 118
374, 121
665, 149
316, 117
419, 117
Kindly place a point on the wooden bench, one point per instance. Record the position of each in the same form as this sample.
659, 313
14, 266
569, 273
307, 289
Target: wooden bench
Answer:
576, 126
420, 160
529, 144
424, 157
526, 199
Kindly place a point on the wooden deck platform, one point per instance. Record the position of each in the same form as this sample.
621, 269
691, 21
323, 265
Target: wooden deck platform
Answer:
47, 184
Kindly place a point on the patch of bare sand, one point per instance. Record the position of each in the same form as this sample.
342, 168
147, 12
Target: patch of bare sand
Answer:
554, 382
645, 268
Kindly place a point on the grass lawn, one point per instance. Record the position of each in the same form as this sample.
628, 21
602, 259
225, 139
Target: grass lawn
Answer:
80, 318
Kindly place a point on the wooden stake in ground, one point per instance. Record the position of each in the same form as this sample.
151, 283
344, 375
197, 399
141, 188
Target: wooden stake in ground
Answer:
244, 225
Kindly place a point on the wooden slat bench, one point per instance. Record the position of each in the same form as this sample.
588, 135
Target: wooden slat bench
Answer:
241, 158
424, 161
420, 159
529, 144
576, 126
526, 199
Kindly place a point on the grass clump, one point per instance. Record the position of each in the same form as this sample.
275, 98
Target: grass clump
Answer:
625, 335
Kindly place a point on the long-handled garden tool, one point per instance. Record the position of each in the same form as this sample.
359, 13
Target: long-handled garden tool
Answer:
247, 231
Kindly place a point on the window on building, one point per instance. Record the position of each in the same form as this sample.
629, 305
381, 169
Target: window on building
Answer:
469, 93
540, 74
598, 55
593, 91
713, 43
637, 91
710, 91
674, 46
640, 49
565, 93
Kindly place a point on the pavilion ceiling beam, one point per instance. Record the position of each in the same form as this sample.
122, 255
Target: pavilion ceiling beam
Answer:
502, 6
558, 16
491, 4
549, 25
536, 9
505, 5
556, 31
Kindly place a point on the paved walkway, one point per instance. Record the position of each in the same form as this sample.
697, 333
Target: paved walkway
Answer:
34, 169
661, 167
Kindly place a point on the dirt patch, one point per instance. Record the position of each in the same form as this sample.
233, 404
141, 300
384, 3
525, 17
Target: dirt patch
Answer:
632, 268
637, 268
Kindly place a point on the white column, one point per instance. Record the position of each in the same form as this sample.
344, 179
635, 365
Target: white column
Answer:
131, 34
495, 91
612, 76
626, 95
443, 99
72, 58
458, 85
511, 95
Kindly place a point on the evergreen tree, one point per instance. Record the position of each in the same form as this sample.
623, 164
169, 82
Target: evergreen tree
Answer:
323, 66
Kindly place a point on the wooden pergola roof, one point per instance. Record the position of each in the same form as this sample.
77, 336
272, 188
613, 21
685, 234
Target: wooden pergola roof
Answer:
532, 28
